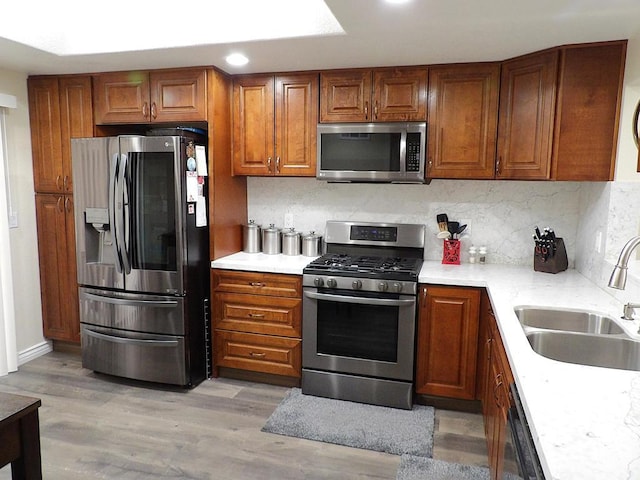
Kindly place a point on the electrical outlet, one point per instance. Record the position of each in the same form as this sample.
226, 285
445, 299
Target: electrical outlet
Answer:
13, 220
288, 220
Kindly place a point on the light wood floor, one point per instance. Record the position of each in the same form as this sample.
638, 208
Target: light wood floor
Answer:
96, 426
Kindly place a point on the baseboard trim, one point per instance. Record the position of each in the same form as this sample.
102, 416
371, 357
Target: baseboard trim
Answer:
34, 352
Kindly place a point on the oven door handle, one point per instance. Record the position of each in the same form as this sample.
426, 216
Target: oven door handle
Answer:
360, 300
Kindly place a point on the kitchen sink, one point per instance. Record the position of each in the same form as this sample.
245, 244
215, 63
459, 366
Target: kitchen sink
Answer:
582, 321
585, 349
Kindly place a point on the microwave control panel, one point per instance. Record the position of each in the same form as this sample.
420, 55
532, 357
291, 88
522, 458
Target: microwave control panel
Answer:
413, 152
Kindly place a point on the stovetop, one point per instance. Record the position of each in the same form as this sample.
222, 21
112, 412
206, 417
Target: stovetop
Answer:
366, 266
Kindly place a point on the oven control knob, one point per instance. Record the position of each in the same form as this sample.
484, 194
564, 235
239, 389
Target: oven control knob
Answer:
383, 286
396, 287
356, 284
318, 282
331, 283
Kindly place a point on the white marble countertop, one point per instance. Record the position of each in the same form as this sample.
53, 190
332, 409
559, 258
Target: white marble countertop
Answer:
585, 420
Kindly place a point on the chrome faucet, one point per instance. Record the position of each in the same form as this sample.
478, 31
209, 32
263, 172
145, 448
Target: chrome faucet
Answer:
619, 275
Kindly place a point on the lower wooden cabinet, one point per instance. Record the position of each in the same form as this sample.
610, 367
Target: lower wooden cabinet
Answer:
496, 376
257, 320
447, 341
57, 256
258, 353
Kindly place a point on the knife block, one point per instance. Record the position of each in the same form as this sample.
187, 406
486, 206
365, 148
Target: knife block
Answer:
555, 262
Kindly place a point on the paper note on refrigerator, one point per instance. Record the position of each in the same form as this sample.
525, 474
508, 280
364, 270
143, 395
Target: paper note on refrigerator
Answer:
192, 186
201, 161
201, 212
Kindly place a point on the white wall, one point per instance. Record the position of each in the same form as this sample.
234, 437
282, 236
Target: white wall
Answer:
24, 249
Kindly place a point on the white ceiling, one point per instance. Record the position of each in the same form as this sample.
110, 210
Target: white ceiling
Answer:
376, 34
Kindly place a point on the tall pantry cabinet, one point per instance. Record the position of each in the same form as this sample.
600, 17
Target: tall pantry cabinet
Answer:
60, 108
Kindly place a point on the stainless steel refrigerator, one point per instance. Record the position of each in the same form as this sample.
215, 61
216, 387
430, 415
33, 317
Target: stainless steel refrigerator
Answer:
143, 264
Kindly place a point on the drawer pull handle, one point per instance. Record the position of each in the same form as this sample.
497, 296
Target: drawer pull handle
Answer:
256, 315
256, 284
257, 354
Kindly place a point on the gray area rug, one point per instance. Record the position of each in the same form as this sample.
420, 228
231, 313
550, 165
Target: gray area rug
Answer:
421, 468
352, 424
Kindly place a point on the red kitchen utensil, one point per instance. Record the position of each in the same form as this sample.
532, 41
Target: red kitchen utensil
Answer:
451, 252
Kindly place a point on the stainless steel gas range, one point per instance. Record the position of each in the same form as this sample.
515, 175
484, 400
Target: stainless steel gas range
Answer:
359, 311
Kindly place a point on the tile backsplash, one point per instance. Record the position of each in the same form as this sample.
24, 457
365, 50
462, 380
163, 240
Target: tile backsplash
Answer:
501, 214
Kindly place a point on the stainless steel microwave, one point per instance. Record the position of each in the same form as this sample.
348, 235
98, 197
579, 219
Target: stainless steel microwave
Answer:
372, 152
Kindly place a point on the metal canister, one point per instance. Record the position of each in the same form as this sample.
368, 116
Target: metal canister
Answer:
271, 240
251, 237
290, 242
311, 245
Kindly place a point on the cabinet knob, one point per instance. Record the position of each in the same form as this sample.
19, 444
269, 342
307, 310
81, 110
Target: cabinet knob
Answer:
154, 110
366, 109
268, 164
145, 110
59, 182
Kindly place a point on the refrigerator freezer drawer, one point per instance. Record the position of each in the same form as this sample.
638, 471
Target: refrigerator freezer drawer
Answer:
126, 311
140, 356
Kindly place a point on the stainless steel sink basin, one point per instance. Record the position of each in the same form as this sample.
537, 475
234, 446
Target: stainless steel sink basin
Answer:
599, 351
582, 321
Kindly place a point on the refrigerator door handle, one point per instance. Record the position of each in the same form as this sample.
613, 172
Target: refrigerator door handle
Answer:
123, 227
113, 188
129, 302
131, 341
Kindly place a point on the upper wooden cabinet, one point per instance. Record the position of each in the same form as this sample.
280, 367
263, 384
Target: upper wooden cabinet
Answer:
379, 95
60, 108
559, 110
178, 95
447, 349
274, 124
463, 119
527, 103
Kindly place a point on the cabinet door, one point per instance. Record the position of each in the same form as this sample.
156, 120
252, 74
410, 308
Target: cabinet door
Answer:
447, 341
296, 120
253, 125
178, 95
526, 116
255, 283
345, 96
258, 353
257, 314
400, 95
588, 107
76, 115
57, 267
121, 97
463, 120
46, 144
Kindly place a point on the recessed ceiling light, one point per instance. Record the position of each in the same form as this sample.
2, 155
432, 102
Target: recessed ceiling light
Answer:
237, 59
398, 1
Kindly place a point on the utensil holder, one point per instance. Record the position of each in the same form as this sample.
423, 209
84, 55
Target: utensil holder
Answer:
451, 252
553, 261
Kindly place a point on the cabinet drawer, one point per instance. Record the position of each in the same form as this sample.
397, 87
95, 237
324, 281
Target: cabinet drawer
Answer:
257, 314
256, 283
257, 353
